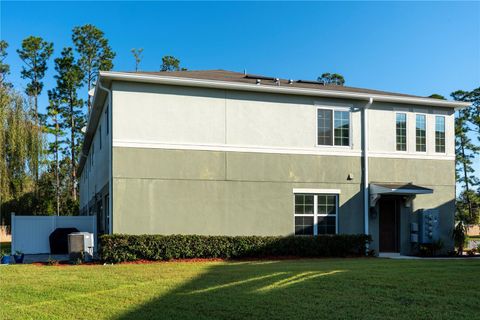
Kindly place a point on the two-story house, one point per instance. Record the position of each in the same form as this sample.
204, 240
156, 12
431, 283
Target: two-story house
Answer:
227, 153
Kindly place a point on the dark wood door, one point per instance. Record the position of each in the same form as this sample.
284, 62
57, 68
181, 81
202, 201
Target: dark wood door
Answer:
389, 225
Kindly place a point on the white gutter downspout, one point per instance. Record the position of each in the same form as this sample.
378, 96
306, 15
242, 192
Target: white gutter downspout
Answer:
110, 182
366, 202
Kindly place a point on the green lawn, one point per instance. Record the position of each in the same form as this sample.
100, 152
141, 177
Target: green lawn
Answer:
290, 289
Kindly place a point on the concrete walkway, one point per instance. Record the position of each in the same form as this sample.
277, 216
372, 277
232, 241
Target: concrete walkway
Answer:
396, 255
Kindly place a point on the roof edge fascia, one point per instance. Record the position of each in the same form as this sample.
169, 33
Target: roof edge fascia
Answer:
123, 76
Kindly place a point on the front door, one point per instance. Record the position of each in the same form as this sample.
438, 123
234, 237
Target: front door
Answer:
389, 225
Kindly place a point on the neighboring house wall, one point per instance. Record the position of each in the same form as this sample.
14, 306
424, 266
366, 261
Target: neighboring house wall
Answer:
207, 161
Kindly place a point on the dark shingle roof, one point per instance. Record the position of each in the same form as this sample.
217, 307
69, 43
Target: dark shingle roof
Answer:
239, 77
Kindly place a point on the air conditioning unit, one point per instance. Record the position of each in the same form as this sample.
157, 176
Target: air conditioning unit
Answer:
80, 246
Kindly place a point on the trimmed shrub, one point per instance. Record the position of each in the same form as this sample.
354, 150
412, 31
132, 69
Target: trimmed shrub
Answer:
120, 247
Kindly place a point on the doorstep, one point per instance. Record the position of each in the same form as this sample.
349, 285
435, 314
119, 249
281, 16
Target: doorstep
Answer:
395, 255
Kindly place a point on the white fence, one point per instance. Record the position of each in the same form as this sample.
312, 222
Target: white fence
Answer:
30, 233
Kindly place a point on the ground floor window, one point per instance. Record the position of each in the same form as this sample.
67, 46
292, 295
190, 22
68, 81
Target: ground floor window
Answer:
315, 214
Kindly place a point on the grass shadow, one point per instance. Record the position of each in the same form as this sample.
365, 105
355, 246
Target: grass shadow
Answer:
313, 289
241, 290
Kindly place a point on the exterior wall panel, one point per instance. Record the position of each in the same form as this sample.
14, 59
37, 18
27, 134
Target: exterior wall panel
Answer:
438, 175
212, 161
159, 116
382, 133
233, 193
246, 194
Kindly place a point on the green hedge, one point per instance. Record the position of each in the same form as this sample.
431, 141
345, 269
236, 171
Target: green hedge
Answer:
119, 247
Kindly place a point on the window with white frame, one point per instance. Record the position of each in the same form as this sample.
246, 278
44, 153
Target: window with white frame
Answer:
333, 127
401, 131
315, 214
420, 133
440, 134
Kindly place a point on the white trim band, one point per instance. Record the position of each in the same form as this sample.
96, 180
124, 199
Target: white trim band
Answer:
319, 150
316, 191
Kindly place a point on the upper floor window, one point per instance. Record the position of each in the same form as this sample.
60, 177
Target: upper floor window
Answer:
401, 127
440, 134
315, 214
420, 133
333, 127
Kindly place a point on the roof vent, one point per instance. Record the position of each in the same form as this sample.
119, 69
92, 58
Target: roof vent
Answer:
311, 82
252, 76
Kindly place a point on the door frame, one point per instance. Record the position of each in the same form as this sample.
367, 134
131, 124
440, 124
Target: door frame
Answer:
397, 221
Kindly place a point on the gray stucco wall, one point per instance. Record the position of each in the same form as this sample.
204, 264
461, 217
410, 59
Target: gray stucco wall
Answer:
160, 191
230, 193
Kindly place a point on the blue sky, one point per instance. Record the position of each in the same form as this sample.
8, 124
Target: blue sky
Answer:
417, 48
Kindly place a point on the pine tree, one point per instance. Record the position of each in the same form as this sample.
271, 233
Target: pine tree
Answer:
466, 152
474, 98
35, 53
437, 96
4, 68
137, 54
69, 81
55, 146
332, 78
170, 63
94, 52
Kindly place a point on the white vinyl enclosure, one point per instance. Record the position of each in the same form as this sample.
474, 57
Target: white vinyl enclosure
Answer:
30, 233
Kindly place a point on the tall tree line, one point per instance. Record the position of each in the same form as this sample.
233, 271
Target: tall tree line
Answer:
39, 152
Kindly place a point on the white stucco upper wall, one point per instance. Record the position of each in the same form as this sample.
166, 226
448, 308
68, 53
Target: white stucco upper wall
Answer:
382, 130
152, 115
